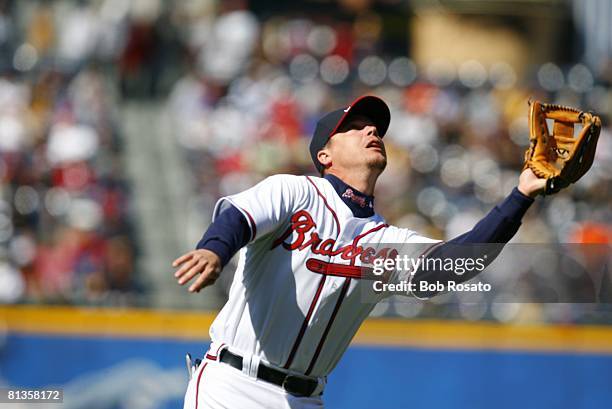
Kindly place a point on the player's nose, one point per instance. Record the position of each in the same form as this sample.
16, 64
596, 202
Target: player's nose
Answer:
371, 130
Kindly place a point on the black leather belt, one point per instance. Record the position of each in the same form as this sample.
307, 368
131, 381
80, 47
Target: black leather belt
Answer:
295, 385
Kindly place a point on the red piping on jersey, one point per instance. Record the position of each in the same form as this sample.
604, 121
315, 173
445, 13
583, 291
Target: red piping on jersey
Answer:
198, 384
372, 230
326, 204
331, 320
298, 340
313, 303
362, 235
339, 269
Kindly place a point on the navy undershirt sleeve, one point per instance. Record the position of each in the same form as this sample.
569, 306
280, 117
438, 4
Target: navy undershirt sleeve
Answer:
226, 235
501, 223
498, 226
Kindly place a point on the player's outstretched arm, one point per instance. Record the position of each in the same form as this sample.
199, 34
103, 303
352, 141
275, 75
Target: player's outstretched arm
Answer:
496, 228
202, 263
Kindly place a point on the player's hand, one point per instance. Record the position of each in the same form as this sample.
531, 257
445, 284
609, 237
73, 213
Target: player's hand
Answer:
531, 185
202, 263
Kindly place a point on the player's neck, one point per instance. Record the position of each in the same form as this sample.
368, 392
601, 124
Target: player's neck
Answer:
365, 182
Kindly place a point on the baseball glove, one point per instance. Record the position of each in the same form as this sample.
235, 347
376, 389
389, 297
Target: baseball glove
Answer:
560, 158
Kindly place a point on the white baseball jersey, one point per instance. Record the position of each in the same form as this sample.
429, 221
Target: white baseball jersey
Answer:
295, 303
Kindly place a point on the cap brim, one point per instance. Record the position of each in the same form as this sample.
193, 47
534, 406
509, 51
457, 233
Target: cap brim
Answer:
371, 107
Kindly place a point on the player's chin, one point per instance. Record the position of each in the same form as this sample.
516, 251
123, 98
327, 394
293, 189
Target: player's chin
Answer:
378, 161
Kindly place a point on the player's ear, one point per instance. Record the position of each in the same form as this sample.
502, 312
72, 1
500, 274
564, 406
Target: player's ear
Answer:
324, 156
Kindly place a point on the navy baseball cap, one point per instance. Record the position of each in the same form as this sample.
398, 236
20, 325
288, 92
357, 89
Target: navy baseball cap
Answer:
369, 106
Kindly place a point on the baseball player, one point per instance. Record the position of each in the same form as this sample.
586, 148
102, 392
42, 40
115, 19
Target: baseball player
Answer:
295, 301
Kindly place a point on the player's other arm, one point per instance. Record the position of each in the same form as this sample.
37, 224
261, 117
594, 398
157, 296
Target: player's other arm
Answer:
237, 220
225, 236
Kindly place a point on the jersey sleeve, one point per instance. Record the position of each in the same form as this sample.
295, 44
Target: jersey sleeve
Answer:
409, 240
410, 244
266, 204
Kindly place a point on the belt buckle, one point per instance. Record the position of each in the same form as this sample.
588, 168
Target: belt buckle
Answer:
289, 384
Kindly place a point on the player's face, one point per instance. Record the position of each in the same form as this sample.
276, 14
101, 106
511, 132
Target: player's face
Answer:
357, 144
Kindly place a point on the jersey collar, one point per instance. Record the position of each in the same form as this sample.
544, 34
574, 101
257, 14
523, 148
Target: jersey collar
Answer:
360, 204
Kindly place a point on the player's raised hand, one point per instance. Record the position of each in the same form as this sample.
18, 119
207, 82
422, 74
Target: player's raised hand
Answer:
202, 263
530, 185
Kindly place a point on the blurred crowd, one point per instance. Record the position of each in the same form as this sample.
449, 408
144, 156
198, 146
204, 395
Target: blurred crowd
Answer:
65, 231
245, 89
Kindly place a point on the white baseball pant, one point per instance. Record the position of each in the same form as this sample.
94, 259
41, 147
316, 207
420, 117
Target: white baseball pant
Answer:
216, 385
